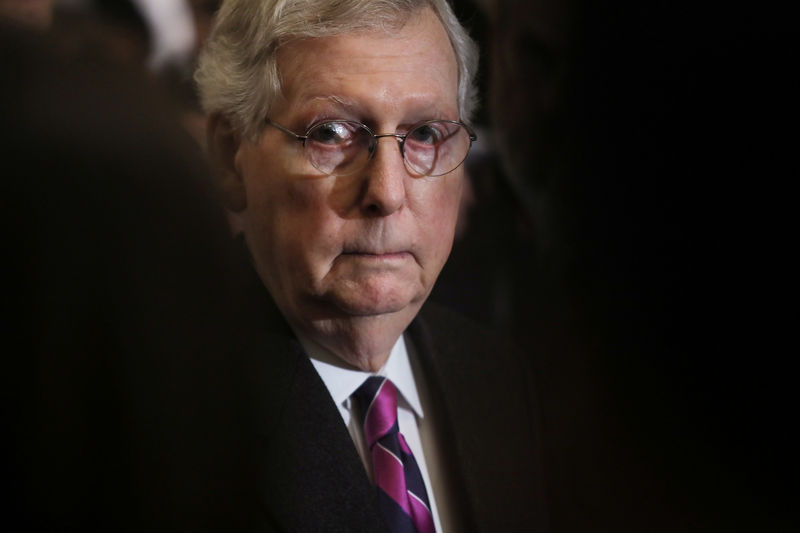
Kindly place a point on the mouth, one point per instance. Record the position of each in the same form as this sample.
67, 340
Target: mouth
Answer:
377, 255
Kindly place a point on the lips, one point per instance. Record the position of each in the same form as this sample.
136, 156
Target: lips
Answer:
368, 251
377, 255
378, 246
377, 250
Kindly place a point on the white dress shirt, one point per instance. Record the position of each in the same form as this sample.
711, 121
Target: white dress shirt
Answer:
342, 381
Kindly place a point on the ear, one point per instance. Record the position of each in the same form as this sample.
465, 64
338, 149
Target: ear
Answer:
223, 145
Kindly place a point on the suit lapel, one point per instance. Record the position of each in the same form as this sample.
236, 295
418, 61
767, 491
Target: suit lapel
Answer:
451, 430
310, 475
482, 404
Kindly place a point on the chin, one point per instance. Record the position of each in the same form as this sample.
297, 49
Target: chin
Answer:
373, 301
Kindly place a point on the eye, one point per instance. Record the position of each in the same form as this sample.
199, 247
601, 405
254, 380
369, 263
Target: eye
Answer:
332, 133
427, 134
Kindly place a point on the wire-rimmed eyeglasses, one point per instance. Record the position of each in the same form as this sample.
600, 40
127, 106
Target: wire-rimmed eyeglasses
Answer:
341, 147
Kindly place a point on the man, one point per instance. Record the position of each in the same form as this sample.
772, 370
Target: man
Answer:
338, 130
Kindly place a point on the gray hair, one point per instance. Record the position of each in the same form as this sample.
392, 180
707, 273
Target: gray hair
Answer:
237, 73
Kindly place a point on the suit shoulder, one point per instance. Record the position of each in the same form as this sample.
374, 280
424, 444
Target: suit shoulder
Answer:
449, 324
453, 337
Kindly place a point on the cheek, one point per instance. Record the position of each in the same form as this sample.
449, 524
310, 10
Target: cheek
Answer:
291, 217
305, 216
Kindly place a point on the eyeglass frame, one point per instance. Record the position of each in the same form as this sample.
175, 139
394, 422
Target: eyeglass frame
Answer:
401, 137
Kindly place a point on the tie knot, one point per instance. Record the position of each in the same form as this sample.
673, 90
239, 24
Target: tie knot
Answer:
377, 397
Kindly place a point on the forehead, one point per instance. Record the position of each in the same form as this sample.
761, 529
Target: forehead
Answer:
412, 69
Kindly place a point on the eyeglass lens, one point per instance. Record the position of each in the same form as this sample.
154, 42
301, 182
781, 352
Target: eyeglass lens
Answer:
430, 149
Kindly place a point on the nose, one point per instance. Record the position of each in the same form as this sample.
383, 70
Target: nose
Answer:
384, 186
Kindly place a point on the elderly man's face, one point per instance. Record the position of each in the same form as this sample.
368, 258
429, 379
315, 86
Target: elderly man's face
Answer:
364, 244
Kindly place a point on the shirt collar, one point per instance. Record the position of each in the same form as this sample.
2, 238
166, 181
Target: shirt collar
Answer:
342, 381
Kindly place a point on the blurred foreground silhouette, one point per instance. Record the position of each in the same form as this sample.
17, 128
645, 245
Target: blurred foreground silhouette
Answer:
634, 237
122, 395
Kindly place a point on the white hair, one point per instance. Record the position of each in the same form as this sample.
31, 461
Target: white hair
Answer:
237, 74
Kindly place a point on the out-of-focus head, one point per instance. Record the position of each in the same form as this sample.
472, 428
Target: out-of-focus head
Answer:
527, 72
32, 13
238, 72
348, 231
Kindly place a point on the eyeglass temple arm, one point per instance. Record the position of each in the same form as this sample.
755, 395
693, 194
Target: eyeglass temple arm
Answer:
472, 136
301, 138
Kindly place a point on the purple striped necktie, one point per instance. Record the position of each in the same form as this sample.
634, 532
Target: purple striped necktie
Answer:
401, 490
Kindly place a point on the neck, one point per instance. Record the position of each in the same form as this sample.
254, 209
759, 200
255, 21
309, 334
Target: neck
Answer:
360, 342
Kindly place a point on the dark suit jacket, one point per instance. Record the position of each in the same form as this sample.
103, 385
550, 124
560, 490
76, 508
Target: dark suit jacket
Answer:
310, 478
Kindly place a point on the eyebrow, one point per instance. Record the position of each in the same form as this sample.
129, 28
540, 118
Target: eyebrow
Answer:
336, 100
